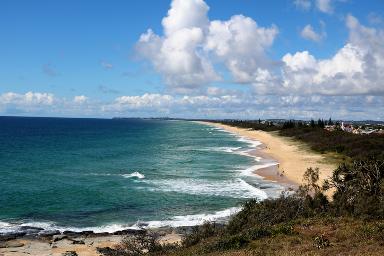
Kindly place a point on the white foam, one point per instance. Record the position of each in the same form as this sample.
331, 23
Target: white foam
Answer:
176, 221
6, 228
250, 171
193, 220
251, 143
134, 175
222, 149
235, 188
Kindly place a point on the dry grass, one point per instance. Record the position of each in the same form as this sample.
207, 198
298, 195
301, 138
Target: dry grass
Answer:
346, 237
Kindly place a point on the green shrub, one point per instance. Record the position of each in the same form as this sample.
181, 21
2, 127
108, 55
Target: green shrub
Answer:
200, 233
141, 244
266, 213
359, 188
229, 242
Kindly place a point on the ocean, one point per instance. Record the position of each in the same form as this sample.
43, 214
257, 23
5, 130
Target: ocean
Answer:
113, 174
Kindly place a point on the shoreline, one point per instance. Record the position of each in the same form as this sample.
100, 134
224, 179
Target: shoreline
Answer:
83, 243
293, 157
278, 154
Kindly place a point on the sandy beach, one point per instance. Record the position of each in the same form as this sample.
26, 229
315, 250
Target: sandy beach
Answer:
293, 157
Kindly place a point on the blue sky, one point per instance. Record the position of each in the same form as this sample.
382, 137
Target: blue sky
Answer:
283, 59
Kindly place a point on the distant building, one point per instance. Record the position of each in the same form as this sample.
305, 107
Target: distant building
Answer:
346, 127
363, 130
330, 128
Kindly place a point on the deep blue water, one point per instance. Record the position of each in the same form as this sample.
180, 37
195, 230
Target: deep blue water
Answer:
110, 174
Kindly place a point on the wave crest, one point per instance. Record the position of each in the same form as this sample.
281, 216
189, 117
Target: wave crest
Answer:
134, 175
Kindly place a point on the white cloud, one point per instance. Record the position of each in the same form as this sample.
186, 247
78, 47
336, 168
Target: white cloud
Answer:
243, 105
178, 54
183, 56
186, 56
80, 99
241, 44
223, 104
355, 69
324, 6
152, 101
185, 14
302, 4
310, 34
27, 99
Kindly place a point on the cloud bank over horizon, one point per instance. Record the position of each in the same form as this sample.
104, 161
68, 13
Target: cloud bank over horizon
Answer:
196, 57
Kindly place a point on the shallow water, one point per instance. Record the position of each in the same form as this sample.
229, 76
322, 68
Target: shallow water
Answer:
107, 175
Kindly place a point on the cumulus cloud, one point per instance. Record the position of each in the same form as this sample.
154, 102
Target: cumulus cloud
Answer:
146, 101
357, 68
184, 54
46, 104
241, 44
178, 54
27, 99
324, 6
80, 99
310, 34
185, 14
193, 46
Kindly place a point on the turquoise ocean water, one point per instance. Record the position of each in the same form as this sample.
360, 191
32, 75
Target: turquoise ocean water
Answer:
108, 175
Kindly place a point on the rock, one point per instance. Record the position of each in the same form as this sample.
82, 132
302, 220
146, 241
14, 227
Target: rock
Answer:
71, 233
162, 233
7, 237
129, 232
56, 238
100, 234
48, 233
87, 233
78, 242
11, 244
70, 253
12, 236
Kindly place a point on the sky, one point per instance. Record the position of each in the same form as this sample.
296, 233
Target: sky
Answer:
242, 59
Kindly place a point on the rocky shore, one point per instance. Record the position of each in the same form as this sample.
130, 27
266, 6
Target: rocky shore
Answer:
36, 241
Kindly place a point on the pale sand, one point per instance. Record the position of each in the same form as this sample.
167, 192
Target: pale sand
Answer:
22, 247
294, 157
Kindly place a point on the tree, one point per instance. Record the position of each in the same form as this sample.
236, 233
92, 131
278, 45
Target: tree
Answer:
310, 182
320, 123
359, 188
312, 123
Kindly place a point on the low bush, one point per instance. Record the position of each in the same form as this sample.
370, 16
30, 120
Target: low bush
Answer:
202, 232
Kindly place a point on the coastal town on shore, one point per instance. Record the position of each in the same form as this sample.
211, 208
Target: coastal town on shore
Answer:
355, 127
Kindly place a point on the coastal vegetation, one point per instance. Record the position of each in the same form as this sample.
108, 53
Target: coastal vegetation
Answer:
349, 145
303, 223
